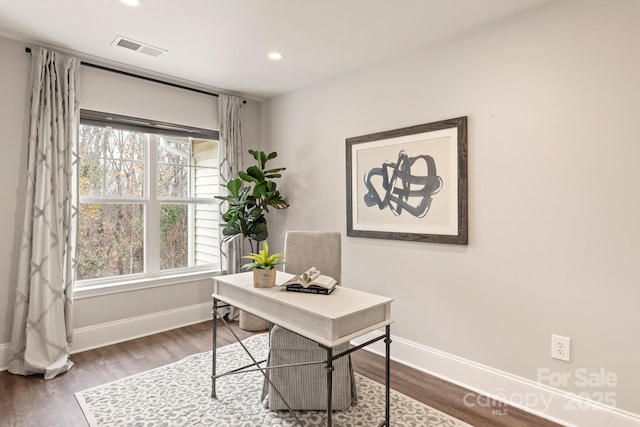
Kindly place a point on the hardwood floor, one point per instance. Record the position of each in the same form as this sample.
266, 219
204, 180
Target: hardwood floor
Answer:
32, 401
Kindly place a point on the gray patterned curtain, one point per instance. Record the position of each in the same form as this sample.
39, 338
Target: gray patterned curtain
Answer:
231, 151
230, 163
43, 327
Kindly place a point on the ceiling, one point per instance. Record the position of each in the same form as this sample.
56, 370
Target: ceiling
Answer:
223, 43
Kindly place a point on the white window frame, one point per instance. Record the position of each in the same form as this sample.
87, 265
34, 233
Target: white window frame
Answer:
153, 275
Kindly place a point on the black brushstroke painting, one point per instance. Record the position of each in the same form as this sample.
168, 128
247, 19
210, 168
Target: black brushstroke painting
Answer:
401, 187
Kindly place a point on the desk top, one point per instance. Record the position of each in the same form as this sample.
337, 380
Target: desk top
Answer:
327, 319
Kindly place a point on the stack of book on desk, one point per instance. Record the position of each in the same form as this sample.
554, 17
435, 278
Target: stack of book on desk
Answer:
312, 282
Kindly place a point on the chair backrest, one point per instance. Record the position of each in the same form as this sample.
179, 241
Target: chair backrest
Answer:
306, 249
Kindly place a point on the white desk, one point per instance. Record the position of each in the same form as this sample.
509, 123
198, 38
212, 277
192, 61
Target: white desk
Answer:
329, 320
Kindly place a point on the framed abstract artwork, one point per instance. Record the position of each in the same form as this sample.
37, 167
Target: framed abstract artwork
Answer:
409, 183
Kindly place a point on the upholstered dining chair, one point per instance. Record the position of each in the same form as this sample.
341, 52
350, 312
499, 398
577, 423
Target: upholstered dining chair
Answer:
304, 387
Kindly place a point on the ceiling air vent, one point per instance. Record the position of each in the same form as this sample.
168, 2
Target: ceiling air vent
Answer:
137, 46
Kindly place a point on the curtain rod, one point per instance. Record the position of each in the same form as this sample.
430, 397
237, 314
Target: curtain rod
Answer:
138, 76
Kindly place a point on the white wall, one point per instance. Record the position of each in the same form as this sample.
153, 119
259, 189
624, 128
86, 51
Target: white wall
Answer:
553, 101
134, 312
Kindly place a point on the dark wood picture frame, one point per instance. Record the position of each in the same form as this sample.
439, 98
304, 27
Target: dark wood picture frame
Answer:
387, 200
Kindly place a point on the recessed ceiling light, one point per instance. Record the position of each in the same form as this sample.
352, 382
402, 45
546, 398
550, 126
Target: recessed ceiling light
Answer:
275, 56
132, 3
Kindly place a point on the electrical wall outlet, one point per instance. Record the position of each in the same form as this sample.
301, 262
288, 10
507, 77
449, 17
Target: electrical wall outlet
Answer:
561, 348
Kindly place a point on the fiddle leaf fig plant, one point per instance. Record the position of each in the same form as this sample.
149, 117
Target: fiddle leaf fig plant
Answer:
249, 197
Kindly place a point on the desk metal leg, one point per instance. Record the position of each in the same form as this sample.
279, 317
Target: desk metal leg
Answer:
387, 385
329, 369
255, 363
214, 314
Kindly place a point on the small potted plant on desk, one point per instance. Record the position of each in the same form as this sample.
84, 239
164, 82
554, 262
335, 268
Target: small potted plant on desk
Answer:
264, 272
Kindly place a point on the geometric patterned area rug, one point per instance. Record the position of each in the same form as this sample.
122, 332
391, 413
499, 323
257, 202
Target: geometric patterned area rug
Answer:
179, 395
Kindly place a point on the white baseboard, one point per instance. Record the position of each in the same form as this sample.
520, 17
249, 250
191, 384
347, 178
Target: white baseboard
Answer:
544, 401
104, 334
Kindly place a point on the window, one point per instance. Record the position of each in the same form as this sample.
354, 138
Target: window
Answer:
147, 203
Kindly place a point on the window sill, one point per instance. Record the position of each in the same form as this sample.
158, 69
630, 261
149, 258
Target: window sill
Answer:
91, 291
